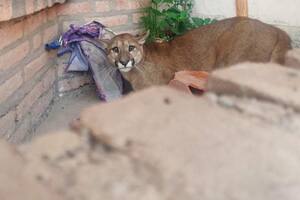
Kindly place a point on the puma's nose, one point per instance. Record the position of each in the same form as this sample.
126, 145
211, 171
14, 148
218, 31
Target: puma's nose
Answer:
124, 62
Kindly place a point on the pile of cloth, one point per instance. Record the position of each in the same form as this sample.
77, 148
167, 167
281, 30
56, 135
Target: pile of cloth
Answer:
88, 54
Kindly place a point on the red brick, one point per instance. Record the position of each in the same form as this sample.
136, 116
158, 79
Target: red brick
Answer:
5, 10
10, 86
33, 22
24, 107
122, 5
74, 83
41, 4
61, 65
51, 14
10, 32
50, 33
22, 132
114, 20
36, 65
144, 3
73, 8
131, 4
102, 6
30, 6
37, 41
61, 70
137, 17
37, 5
40, 107
53, 2
49, 79
14, 56
7, 124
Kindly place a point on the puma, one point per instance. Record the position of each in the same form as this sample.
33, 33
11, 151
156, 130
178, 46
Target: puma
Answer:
207, 48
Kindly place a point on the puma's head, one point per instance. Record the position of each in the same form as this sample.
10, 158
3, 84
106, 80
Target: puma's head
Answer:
125, 51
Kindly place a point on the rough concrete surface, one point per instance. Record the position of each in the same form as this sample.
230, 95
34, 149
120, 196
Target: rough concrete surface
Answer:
161, 144
204, 149
269, 81
66, 109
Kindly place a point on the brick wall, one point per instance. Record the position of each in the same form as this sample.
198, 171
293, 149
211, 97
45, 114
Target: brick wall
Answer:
11, 9
30, 77
27, 75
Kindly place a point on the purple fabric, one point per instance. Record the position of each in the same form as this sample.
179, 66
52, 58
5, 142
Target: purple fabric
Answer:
71, 44
79, 33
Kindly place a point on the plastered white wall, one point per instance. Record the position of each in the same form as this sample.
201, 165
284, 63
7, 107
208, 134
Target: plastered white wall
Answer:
283, 13
215, 8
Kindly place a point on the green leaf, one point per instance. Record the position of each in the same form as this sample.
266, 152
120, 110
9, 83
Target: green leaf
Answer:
157, 1
169, 18
183, 15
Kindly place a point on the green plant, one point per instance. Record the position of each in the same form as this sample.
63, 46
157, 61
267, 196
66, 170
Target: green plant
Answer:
166, 19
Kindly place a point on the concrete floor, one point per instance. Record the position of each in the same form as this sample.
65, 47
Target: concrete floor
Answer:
66, 109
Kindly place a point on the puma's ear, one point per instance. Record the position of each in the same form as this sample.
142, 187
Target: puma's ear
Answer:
142, 38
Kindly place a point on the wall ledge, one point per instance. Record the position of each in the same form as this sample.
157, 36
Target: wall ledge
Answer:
11, 9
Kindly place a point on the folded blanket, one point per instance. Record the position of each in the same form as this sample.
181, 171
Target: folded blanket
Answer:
107, 78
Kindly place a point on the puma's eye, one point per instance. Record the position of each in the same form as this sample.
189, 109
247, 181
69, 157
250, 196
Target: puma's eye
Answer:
131, 48
115, 49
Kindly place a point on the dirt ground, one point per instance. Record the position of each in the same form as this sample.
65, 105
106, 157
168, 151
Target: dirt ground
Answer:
66, 109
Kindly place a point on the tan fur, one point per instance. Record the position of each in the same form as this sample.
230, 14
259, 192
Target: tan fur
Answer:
210, 47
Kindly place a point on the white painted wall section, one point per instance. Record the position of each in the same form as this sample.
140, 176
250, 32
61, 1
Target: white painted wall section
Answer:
215, 8
282, 13
285, 12
276, 11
